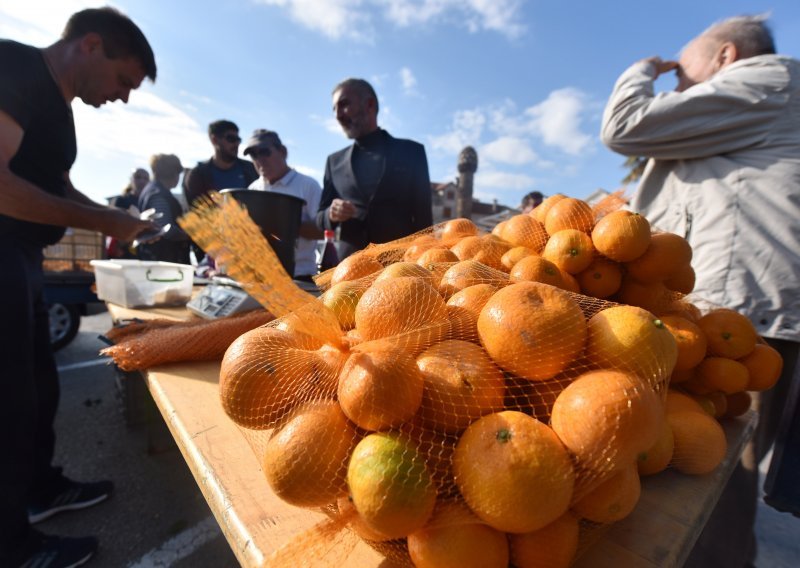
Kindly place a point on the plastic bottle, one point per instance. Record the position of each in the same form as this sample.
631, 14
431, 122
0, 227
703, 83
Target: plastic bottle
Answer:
329, 257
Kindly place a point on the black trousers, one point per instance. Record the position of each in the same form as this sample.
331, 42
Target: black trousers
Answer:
29, 391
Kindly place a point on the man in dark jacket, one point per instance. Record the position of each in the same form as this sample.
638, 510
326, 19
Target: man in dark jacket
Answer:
378, 189
225, 169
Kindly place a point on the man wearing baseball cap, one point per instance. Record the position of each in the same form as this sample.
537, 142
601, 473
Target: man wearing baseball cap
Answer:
269, 157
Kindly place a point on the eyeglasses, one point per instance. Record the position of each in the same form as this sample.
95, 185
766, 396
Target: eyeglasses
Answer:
232, 138
261, 152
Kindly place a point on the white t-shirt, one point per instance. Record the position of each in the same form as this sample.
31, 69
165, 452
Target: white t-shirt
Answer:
306, 188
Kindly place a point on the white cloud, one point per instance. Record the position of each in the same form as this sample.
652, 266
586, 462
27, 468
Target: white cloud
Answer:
509, 150
148, 125
558, 120
355, 19
335, 19
17, 19
466, 131
494, 15
503, 180
409, 81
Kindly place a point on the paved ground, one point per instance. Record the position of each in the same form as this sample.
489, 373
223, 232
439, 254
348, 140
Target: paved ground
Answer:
158, 517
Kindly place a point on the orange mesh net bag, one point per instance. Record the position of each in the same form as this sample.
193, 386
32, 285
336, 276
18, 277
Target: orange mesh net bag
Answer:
468, 399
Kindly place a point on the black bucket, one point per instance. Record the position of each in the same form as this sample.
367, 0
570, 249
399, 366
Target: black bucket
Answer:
278, 217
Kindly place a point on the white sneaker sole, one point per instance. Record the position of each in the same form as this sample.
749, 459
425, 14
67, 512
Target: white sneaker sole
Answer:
39, 517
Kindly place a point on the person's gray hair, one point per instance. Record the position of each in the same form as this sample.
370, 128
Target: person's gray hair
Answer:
361, 86
750, 34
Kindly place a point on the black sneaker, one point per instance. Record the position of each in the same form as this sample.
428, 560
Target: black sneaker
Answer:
68, 496
60, 552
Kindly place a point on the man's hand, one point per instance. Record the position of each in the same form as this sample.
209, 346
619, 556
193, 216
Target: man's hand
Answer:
341, 210
120, 224
660, 65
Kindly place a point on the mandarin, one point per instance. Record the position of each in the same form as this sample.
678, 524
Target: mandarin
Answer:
722, 374
398, 305
653, 297
657, 458
631, 338
738, 404
682, 280
380, 389
513, 472
514, 255
764, 365
571, 250
525, 231
729, 333
540, 211
406, 269
532, 330
622, 236
463, 309
700, 443
552, 546
355, 266
420, 245
455, 229
305, 461
469, 273
461, 385
455, 538
690, 339
612, 500
537, 269
265, 373
569, 213
390, 486
601, 279
606, 418
436, 256
667, 254
678, 401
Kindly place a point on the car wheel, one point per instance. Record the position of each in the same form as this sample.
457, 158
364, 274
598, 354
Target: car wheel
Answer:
64, 323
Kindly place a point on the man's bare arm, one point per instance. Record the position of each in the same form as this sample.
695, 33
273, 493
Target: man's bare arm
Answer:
21, 199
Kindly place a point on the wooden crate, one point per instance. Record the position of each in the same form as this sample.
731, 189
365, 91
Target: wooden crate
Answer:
74, 251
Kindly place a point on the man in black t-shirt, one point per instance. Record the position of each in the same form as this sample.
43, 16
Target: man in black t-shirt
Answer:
101, 56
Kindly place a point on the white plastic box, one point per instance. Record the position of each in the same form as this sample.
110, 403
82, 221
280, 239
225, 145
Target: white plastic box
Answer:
143, 283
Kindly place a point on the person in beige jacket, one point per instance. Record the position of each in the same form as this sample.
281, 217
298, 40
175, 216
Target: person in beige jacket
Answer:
724, 172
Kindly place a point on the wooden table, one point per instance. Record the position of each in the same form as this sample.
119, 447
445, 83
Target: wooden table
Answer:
660, 533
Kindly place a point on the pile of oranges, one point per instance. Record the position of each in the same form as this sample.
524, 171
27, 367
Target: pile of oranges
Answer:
475, 398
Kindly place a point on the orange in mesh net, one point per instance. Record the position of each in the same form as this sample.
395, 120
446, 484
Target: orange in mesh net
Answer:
390, 485
571, 250
524, 231
569, 213
469, 273
553, 546
305, 460
631, 338
764, 365
666, 254
690, 340
622, 236
606, 418
461, 385
513, 472
729, 333
700, 443
463, 309
380, 389
601, 279
456, 229
657, 457
612, 500
540, 211
532, 330
454, 536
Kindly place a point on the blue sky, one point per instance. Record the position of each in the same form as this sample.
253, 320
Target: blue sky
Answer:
524, 82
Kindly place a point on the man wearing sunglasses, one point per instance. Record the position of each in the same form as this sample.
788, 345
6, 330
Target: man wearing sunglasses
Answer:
225, 169
269, 156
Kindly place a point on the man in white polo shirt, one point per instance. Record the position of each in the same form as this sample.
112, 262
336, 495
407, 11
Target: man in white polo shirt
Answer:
269, 157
